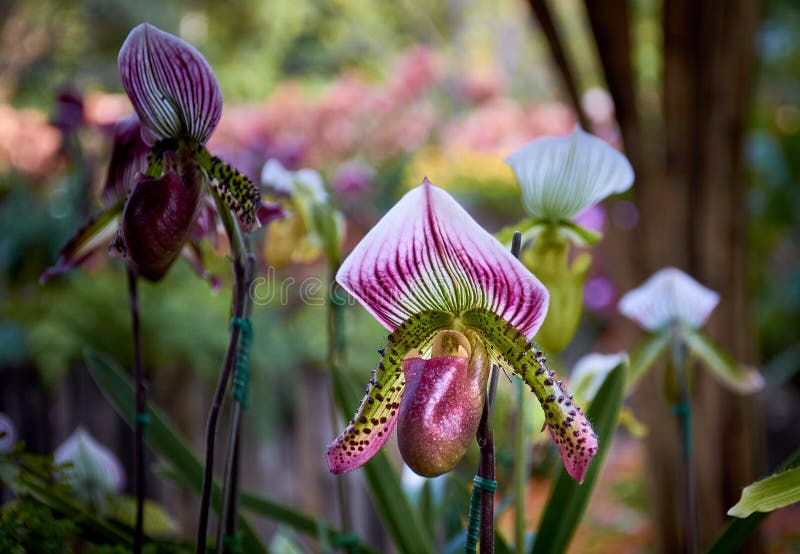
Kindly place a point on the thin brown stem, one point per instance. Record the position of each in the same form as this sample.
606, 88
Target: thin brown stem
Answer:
139, 418
232, 473
238, 303
485, 439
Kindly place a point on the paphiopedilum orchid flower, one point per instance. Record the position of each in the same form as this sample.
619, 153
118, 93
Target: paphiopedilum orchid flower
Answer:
178, 101
560, 177
454, 300
94, 471
159, 165
672, 306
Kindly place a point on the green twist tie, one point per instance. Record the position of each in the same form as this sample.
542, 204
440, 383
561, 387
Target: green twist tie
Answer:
241, 377
681, 408
348, 539
474, 518
232, 543
142, 417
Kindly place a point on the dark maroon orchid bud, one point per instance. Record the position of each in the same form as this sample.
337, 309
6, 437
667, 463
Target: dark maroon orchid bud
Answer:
128, 158
159, 216
442, 404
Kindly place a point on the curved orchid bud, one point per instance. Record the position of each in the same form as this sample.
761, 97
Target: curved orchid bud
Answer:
427, 266
170, 84
128, 159
159, 216
95, 470
560, 176
669, 295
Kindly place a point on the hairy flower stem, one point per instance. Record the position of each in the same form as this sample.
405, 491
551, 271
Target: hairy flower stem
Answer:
230, 485
140, 416
683, 411
485, 439
335, 358
238, 302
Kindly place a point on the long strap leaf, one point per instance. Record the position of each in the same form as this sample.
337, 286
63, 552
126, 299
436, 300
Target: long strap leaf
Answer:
568, 500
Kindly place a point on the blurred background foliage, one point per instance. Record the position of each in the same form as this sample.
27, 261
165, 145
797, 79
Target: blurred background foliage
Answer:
407, 89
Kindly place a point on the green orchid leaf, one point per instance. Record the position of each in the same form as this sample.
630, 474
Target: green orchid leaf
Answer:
741, 379
776, 491
645, 355
733, 537
402, 522
568, 500
165, 440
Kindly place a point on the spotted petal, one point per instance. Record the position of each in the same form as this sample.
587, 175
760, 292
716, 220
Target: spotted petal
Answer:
170, 84
427, 253
369, 429
568, 427
669, 295
560, 176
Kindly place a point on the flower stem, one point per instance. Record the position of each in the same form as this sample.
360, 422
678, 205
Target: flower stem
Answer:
335, 358
230, 487
140, 418
485, 439
683, 411
238, 302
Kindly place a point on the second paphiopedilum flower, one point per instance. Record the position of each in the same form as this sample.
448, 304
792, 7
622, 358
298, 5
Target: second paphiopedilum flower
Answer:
455, 301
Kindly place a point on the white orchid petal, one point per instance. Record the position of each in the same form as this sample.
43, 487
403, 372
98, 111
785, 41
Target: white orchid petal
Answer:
560, 176
669, 295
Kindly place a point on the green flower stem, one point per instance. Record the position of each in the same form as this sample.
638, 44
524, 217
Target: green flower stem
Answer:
683, 411
336, 358
140, 420
238, 261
